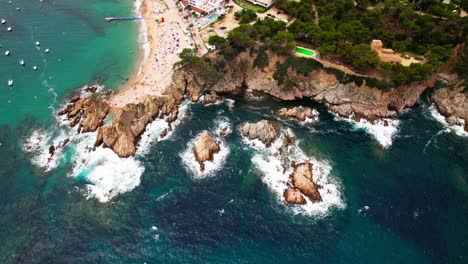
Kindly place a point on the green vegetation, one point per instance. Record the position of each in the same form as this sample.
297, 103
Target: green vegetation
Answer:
299, 64
246, 5
344, 32
245, 16
261, 61
218, 41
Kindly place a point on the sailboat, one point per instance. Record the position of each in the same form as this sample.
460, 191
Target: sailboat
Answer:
10, 82
7, 53
3, 21
21, 62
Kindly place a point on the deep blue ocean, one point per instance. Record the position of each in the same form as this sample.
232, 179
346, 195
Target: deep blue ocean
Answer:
407, 203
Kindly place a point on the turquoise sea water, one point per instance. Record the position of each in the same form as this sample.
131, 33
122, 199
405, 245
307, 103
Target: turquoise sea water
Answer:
404, 204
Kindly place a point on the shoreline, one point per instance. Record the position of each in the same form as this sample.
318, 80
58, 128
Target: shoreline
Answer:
158, 52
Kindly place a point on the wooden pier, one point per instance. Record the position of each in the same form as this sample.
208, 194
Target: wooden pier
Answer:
109, 19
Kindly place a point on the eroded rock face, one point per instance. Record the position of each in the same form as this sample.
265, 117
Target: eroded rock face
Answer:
452, 102
265, 131
123, 134
89, 113
319, 84
298, 113
302, 180
206, 146
293, 196
212, 98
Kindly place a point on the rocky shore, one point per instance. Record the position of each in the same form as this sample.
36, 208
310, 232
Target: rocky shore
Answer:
123, 134
452, 102
238, 76
343, 98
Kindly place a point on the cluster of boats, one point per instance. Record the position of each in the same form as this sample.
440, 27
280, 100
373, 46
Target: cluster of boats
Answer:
7, 52
21, 61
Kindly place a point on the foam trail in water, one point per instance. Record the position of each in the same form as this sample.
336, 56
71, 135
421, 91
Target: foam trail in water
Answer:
458, 129
276, 171
383, 130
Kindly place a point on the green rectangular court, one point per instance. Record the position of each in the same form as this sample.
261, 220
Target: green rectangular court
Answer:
305, 51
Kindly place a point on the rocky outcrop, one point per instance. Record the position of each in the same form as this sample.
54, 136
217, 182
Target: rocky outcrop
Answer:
452, 102
299, 113
265, 131
88, 113
124, 133
293, 196
212, 98
301, 179
205, 148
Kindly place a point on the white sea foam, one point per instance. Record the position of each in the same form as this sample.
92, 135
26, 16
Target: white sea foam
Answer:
38, 144
230, 103
142, 36
223, 126
458, 129
211, 167
107, 174
154, 129
276, 170
383, 130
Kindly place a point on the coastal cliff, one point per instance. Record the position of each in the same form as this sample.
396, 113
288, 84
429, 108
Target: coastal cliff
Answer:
215, 76
343, 97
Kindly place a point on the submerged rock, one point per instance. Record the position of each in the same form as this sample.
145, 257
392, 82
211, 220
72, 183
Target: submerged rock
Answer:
265, 131
205, 148
298, 113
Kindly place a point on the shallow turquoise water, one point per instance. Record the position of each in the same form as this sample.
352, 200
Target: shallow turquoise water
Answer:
416, 190
84, 49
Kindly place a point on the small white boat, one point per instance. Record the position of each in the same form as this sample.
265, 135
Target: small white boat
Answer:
34, 67
7, 53
18, 9
9, 28
21, 62
10, 82
47, 50
3, 21
38, 43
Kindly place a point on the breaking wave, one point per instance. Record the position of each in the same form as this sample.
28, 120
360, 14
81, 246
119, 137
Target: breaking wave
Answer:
276, 170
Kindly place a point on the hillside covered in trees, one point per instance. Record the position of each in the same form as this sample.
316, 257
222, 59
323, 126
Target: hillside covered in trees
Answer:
342, 30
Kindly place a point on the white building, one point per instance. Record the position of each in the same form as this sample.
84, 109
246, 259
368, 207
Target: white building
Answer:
264, 3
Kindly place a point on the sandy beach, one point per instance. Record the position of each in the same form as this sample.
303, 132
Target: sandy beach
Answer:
164, 40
